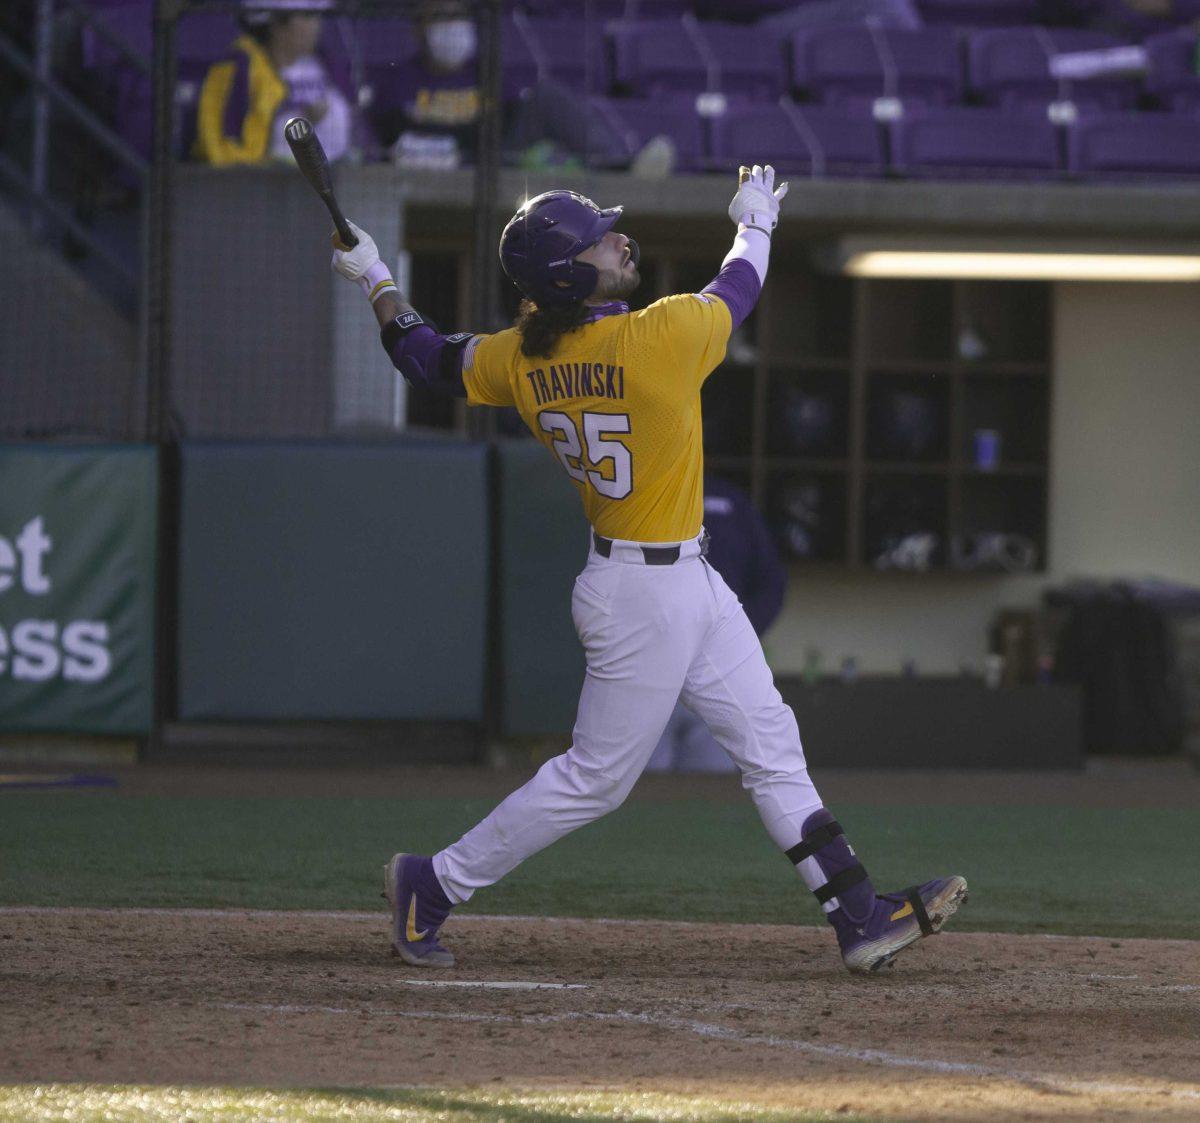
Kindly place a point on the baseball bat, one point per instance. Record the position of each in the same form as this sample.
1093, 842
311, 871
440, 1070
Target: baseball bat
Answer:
314, 166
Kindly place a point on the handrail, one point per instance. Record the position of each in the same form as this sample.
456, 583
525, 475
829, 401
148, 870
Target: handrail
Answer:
100, 25
11, 171
13, 55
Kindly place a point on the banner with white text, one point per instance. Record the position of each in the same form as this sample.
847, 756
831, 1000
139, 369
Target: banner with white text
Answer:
77, 548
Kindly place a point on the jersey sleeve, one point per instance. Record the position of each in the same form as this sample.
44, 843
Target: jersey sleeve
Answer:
693, 330
485, 370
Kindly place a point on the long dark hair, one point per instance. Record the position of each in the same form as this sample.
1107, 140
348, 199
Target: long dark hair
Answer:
540, 329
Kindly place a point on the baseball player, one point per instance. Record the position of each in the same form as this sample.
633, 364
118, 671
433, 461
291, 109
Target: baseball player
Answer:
614, 396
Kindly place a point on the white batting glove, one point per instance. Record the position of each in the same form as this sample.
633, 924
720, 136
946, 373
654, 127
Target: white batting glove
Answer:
756, 203
353, 264
362, 265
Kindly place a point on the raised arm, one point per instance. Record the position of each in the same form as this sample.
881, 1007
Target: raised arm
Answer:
755, 211
421, 354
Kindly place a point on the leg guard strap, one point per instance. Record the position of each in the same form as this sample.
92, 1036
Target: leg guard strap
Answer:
813, 841
840, 882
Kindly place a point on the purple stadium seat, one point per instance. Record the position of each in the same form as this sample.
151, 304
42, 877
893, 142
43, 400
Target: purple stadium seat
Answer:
128, 91
606, 10
974, 143
569, 51
804, 140
856, 64
747, 62
1171, 75
642, 65
130, 19
634, 121
657, 57
1010, 67
655, 9
1134, 145
740, 9
518, 61
386, 47
979, 13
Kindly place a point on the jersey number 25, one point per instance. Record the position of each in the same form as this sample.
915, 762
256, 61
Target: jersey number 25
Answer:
602, 447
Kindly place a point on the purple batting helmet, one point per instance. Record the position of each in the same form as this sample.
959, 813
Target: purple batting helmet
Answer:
542, 240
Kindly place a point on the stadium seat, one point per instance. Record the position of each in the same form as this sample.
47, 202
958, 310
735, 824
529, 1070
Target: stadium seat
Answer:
857, 64
972, 143
979, 13
643, 68
1171, 72
604, 10
741, 10
631, 122
805, 140
747, 62
1134, 145
1010, 67
518, 58
128, 90
385, 48
570, 51
728, 57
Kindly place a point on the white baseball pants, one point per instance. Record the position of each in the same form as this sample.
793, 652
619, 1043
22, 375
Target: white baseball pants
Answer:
653, 634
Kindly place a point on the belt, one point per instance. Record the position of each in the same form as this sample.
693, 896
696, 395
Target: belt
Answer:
654, 555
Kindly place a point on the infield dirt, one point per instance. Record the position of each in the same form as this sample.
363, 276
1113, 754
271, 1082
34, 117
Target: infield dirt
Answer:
966, 1026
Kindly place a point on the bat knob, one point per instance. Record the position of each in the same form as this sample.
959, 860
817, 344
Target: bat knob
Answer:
297, 129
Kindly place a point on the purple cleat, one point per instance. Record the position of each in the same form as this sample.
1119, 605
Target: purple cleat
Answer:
872, 928
419, 908
896, 921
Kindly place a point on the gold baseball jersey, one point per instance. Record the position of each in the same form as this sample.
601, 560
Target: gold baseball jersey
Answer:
619, 406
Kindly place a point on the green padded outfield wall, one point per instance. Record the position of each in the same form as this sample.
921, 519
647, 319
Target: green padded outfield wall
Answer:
543, 545
336, 582
77, 564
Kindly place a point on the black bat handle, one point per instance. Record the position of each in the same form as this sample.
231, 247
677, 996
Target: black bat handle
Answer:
345, 235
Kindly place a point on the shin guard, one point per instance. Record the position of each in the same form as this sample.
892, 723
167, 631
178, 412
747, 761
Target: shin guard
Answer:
830, 868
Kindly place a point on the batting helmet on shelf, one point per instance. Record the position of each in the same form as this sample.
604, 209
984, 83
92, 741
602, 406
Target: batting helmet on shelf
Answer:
541, 242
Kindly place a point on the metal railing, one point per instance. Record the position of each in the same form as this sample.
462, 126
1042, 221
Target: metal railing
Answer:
48, 93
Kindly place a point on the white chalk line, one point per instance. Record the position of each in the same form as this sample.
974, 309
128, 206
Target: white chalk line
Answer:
511, 984
458, 918
878, 1057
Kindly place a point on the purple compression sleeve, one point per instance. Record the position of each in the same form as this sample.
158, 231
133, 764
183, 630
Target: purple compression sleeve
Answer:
738, 286
419, 356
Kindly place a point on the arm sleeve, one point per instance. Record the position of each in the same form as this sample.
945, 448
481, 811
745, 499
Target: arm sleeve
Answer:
738, 285
427, 358
227, 131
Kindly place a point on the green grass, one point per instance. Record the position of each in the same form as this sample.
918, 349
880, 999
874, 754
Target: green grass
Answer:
99, 1103
1071, 871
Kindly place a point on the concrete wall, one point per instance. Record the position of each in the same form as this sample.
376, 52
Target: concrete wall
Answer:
68, 357
1124, 491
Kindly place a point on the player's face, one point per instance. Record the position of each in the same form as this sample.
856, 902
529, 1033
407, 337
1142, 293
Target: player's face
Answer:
613, 261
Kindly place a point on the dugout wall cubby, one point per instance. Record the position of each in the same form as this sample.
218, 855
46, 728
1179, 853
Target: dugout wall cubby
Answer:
892, 425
